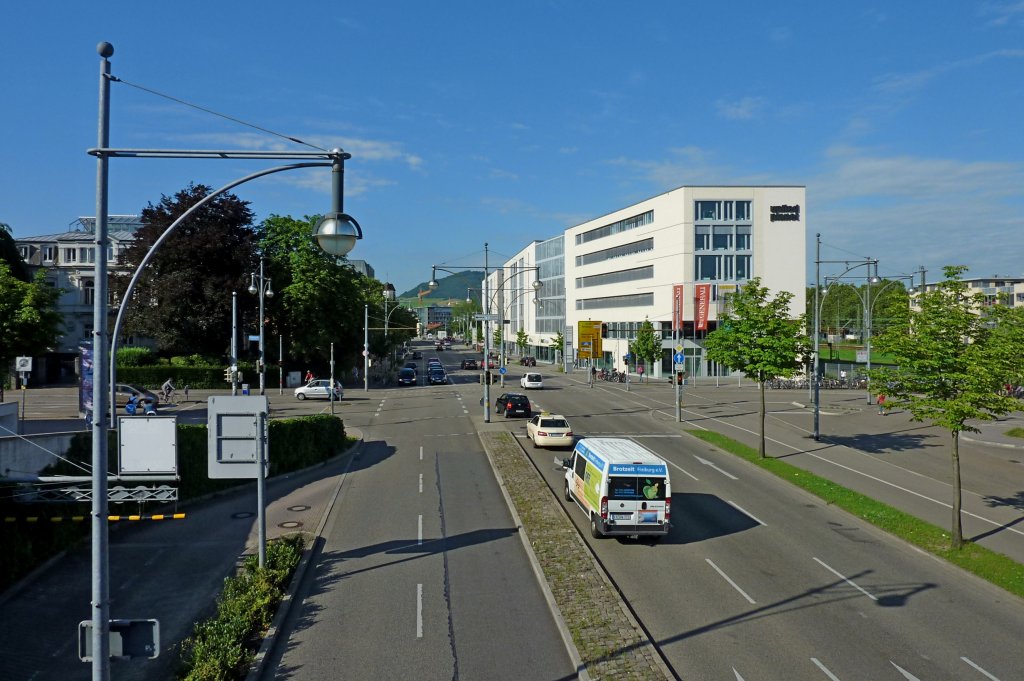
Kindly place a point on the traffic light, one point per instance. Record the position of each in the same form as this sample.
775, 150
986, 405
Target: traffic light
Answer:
228, 374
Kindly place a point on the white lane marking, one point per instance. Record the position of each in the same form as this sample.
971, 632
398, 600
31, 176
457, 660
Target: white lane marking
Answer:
907, 675
419, 531
738, 677
824, 669
840, 576
419, 611
744, 512
680, 468
421, 483
979, 668
731, 583
421, 453
708, 463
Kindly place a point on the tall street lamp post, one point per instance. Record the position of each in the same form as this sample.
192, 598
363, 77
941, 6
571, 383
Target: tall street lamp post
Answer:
336, 234
263, 290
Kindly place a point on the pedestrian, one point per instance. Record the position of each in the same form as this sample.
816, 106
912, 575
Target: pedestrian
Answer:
309, 375
355, 374
881, 405
186, 392
842, 377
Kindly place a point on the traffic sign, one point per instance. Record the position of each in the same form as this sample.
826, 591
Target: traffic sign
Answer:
502, 371
23, 364
678, 358
679, 348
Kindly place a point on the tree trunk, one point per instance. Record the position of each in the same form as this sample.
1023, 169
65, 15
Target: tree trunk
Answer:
956, 534
760, 450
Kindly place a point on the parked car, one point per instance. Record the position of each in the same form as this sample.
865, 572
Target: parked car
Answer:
513, 404
318, 388
549, 430
127, 390
437, 376
406, 376
470, 364
528, 362
531, 381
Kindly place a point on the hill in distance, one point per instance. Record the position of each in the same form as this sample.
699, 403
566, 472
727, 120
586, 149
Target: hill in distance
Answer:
452, 287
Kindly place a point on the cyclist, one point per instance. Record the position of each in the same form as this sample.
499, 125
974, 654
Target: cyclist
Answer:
167, 390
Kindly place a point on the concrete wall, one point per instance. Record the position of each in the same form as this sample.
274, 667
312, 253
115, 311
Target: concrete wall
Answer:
29, 454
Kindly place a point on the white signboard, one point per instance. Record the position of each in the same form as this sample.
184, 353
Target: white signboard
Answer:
236, 436
23, 364
147, 446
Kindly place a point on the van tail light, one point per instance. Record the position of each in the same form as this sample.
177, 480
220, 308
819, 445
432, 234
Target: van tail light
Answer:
604, 508
668, 510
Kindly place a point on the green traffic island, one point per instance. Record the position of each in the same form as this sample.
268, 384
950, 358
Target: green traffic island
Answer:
223, 647
1016, 432
991, 566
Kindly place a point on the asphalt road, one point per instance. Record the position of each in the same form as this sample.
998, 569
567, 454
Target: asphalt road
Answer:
759, 580
421, 573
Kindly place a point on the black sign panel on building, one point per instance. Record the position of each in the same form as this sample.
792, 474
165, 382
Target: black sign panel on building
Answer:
785, 213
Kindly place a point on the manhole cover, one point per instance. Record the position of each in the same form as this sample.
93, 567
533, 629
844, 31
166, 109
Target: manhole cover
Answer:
242, 515
297, 509
290, 525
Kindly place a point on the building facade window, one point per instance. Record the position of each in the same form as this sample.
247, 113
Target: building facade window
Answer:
88, 292
615, 227
632, 300
616, 252
70, 255
49, 253
722, 241
634, 274
87, 255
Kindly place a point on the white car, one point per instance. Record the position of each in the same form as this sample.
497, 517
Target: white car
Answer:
531, 381
549, 430
317, 389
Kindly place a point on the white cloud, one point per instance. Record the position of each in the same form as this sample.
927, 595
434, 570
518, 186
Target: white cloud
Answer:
742, 109
909, 82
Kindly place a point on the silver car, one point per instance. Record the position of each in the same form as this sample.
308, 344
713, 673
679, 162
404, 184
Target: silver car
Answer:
318, 389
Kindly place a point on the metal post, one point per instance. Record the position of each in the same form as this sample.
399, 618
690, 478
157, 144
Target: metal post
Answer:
677, 319
366, 348
501, 325
261, 489
280, 365
867, 328
817, 336
234, 342
100, 578
330, 387
487, 342
263, 361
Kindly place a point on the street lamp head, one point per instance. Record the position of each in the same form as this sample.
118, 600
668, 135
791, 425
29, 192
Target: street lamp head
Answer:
252, 284
337, 233
269, 293
433, 278
537, 285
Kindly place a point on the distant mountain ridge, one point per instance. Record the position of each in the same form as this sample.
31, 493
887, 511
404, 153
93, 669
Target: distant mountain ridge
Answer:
454, 286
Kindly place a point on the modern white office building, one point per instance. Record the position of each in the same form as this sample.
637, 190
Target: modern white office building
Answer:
671, 260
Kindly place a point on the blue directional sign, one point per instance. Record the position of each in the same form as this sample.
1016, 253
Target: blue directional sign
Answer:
678, 358
502, 371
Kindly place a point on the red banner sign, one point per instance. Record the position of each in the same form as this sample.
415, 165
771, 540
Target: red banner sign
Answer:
703, 303
677, 307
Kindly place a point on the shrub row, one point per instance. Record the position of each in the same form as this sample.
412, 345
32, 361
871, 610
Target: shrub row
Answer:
222, 647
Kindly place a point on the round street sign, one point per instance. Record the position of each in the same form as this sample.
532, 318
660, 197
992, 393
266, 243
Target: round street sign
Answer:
502, 371
677, 358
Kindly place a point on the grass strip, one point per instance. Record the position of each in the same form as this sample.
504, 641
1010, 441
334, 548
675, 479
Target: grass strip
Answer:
1015, 432
994, 567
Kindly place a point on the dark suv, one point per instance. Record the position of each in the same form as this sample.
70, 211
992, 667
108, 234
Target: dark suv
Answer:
469, 364
513, 404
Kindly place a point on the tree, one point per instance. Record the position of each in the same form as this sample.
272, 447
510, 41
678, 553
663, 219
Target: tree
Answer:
29, 321
9, 254
647, 345
318, 300
183, 300
952, 356
758, 336
522, 340
558, 344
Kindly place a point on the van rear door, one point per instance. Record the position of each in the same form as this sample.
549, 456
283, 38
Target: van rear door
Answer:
638, 500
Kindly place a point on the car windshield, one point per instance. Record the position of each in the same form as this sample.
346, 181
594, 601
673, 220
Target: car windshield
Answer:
636, 488
554, 423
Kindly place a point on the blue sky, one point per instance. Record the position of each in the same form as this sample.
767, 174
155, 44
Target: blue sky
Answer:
508, 122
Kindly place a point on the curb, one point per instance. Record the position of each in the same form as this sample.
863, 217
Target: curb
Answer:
538, 571
256, 669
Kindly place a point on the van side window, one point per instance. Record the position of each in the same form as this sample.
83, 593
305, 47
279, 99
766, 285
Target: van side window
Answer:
580, 465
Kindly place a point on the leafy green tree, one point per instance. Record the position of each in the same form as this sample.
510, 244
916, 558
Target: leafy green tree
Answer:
522, 340
952, 359
183, 300
758, 336
558, 344
29, 321
318, 300
647, 345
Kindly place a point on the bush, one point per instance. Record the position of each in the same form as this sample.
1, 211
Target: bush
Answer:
222, 648
132, 356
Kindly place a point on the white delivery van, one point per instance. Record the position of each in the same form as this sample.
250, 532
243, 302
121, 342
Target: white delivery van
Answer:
622, 486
